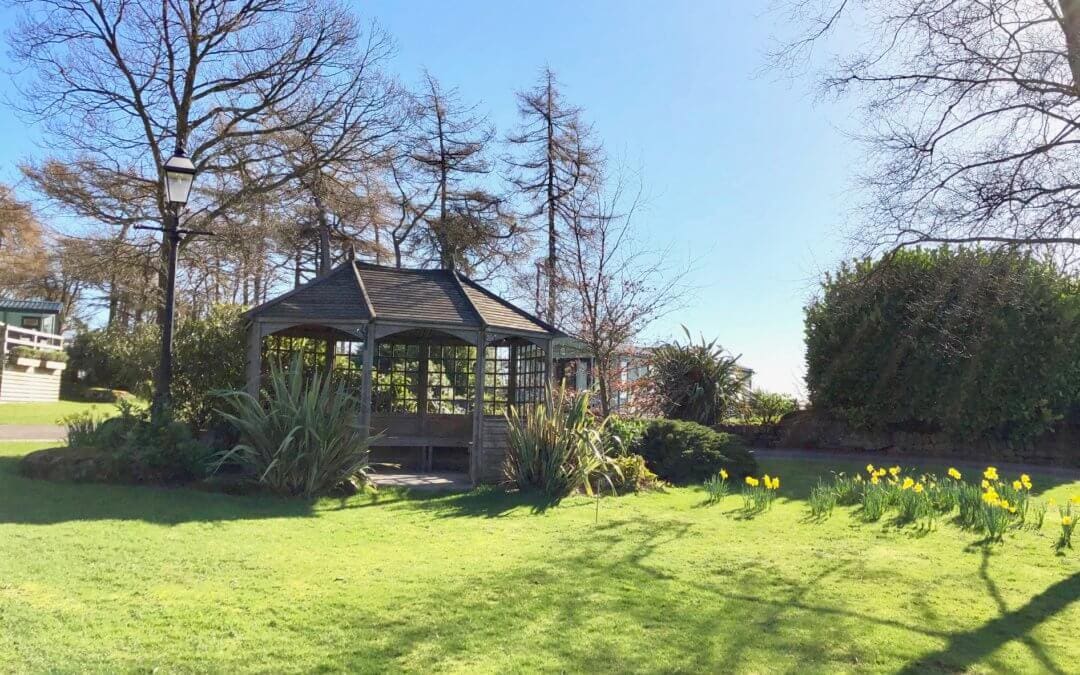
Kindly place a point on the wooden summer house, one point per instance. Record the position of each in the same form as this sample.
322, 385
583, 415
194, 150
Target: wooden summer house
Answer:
434, 357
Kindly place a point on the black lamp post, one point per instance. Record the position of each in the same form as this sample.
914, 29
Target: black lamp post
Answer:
179, 174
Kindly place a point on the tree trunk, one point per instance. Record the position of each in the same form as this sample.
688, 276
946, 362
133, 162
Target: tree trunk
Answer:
602, 388
1070, 24
552, 234
324, 238
114, 303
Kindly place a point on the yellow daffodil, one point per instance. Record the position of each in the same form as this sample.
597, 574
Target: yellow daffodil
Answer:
874, 480
869, 468
776, 483
1025, 480
1017, 485
918, 487
907, 483
1012, 509
954, 474
990, 473
986, 485
751, 481
723, 474
895, 471
1066, 520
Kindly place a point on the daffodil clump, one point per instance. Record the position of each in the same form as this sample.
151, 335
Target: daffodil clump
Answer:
913, 500
823, 498
758, 495
717, 487
847, 489
1003, 503
1068, 516
992, 504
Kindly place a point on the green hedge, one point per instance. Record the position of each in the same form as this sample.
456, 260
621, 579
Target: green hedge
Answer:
975, 344
687, 452
209, 353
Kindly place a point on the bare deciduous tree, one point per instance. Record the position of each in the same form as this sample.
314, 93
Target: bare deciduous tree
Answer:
971, 110
118, 84
619, 286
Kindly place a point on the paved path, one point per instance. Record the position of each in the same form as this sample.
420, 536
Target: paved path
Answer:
32, 432
895, 458
424, 481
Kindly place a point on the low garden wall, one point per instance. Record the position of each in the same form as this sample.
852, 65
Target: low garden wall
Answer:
811, 430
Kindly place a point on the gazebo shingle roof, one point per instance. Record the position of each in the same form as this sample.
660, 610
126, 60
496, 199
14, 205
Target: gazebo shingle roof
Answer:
361, 291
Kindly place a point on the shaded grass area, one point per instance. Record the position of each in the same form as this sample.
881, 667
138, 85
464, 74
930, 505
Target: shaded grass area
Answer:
115, 578
51, 412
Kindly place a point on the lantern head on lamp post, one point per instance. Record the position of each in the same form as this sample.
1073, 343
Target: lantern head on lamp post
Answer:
179, 175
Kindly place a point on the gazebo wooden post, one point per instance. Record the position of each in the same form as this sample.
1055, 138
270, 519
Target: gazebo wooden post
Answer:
478, 407
549, 363
254, 358
330, 346
366, 377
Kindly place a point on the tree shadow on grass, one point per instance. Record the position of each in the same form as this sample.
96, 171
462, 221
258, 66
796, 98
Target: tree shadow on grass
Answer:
39, 502
480, 502
966, 649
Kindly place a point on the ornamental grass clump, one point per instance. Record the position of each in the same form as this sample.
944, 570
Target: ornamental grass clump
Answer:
302, 438
717, 487
557, 447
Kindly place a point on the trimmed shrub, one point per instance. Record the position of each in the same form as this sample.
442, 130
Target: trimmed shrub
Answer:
685, 452
976, 344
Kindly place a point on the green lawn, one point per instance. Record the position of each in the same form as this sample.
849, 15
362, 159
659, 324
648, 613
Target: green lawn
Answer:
50, 413
112, 578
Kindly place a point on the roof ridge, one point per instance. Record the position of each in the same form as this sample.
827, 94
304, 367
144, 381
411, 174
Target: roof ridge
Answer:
363, 291
393, 268
484, 323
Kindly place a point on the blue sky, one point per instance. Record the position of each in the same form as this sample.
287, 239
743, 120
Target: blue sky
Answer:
745, 173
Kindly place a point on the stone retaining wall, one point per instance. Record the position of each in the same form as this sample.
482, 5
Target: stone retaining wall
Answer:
810, 430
